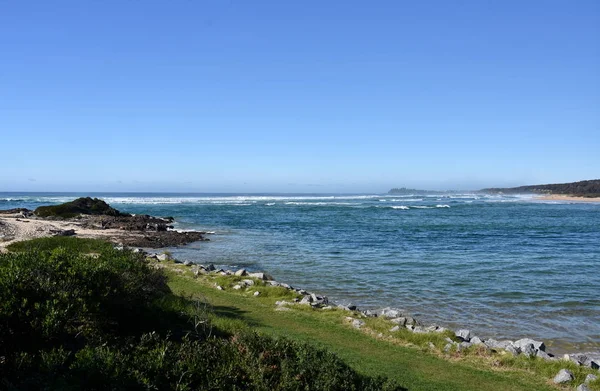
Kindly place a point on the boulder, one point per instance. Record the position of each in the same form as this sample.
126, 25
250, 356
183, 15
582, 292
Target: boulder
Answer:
219, 287
512, 350
369, 313
261, 276
257, 293
590, 378
544, 355
390, 313
563, 376
464, 345
493, 344
528, 350
583, 387
399, 321
247, 282
395, 328
584, 360
476, 341
306, 300
537, 345
163, 257
187, 263
357, 323
464, 334
241, 272
211, 268
237, 287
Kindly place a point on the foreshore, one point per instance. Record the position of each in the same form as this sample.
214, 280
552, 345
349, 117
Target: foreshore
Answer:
570, 198
17, 227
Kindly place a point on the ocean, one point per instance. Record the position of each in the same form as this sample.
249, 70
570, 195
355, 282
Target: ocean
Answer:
502, 266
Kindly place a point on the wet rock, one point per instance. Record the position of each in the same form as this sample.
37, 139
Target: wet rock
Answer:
563, 376
464, 334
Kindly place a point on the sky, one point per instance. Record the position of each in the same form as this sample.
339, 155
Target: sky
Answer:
297, 96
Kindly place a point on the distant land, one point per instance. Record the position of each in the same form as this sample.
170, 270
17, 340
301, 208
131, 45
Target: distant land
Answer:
589, 188
406, 191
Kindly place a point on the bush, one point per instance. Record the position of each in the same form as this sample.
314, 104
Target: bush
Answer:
72, 321
59, 297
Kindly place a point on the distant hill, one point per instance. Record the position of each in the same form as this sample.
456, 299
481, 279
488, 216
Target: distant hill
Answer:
589, 188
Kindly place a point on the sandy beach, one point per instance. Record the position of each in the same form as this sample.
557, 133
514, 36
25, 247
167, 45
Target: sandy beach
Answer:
15, 229
560, 197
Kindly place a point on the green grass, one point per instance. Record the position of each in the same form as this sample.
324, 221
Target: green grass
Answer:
402, 355
70, 243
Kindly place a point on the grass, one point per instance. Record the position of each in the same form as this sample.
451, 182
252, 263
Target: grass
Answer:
403, 356
67, 242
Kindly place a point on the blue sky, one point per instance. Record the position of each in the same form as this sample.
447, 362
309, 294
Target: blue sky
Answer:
311, 96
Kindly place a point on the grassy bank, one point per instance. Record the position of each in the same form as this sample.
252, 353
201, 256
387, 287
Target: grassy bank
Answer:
404, 356
175, 327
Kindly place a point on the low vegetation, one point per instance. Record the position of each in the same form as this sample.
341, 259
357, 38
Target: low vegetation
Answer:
589, 188
91, 317
83, 205
72, 321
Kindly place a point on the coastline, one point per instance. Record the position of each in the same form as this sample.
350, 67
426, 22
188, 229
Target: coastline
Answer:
32, 227
569, 198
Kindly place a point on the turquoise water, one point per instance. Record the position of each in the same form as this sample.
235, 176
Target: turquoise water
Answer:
503, 266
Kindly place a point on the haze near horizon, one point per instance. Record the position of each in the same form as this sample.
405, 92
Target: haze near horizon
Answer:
297, 97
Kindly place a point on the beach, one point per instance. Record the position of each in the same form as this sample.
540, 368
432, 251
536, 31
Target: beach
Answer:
569, 198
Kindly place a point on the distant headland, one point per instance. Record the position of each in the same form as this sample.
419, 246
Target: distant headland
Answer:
587, 189
581, 189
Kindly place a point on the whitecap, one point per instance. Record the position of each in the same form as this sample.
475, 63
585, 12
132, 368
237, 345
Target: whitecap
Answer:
442, 206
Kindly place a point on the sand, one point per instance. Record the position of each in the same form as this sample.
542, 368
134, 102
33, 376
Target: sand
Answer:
15, 229
560, 197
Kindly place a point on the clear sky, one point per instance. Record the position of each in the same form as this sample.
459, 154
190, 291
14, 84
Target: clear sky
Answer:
297, 96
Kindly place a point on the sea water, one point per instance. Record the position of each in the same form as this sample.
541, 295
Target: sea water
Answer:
503, 266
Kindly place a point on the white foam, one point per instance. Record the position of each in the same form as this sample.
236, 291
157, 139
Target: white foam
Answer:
442, 206
402, 207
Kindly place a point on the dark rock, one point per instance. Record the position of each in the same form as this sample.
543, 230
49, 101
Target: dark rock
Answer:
66, 232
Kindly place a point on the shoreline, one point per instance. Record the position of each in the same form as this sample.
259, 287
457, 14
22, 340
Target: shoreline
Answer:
24, 228
564, 197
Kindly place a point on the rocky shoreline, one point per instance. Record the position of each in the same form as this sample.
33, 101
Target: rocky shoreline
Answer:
463, 338
131, 230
